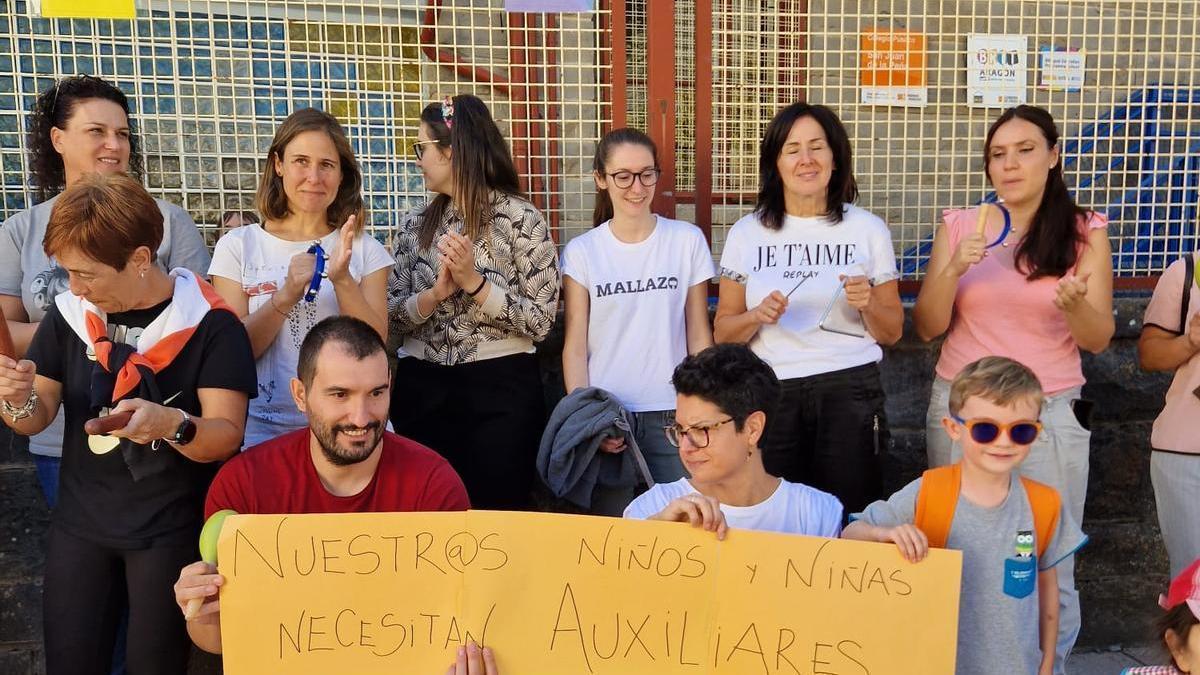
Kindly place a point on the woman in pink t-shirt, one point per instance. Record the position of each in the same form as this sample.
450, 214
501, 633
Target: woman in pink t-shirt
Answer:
1036, 291
1170, 341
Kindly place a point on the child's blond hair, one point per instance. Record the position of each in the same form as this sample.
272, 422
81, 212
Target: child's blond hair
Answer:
996, 379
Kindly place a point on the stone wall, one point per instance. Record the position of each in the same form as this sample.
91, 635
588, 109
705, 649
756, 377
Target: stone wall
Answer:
1120, 572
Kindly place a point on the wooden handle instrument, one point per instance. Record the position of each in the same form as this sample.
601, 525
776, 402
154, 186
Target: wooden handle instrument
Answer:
108, 423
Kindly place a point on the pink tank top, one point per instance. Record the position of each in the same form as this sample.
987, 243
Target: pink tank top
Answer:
999, 312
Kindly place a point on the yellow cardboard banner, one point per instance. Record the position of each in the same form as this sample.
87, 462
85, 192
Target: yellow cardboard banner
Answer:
557, 594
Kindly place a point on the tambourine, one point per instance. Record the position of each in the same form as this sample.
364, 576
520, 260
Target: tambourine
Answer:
982, 224
314, 285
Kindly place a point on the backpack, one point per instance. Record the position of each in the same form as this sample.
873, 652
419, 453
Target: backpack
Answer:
938, 498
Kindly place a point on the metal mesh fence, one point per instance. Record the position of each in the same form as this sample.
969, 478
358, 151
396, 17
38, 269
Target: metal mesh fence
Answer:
1131, 146
210, 81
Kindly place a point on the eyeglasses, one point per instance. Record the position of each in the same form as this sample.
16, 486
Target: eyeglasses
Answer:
986, 431
624, 179
697, 435
418, 148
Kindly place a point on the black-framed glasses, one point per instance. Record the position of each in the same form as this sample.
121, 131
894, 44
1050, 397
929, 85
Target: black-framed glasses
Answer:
696, 434
418, 148
624, 179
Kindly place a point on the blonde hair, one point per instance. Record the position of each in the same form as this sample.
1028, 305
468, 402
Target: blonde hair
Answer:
996, 379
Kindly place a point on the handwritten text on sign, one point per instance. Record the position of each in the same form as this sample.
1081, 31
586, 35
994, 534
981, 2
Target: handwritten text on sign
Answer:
397, 593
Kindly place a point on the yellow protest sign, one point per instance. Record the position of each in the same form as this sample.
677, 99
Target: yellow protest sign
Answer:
89, 9
558, 594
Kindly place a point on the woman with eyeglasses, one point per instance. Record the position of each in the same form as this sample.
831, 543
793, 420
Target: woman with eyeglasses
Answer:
310, 194
475, 285
636, 299
726, 396
1036, 289
809, 281
80, 125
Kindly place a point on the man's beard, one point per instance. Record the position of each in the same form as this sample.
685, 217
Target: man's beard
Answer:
352, 454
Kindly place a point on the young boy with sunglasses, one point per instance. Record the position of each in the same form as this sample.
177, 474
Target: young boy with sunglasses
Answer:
1012, 531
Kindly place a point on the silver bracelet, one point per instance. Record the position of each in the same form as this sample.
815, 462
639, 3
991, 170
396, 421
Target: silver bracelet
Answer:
16, 414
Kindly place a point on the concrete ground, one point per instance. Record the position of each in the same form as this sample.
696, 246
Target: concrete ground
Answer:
1113, 660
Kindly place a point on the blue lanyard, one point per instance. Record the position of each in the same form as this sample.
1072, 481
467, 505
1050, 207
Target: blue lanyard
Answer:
314, 286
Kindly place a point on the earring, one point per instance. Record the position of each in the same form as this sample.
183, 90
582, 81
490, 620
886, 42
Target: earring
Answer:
142, 274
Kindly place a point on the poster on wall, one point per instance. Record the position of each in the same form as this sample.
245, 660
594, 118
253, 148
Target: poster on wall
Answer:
1060, 70
997, 70
86, 9
892, 67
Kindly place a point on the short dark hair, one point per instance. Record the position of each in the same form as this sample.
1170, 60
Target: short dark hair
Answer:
731, 377
105, 217
1179, 620
355, 335
843, 189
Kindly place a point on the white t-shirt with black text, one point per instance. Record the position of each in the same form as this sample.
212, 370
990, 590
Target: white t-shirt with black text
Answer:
804, 258
258, 260
637, 331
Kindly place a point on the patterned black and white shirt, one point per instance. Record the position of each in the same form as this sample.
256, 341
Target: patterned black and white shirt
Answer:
518, 257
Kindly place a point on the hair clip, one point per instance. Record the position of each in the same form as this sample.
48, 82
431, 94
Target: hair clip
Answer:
448, 112
314, 286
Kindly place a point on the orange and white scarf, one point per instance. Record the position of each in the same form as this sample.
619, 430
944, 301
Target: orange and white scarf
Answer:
160, 342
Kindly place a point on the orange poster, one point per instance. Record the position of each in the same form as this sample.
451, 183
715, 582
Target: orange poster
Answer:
892, 67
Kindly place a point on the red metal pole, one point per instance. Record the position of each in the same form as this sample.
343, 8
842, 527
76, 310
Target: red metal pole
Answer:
704, 116
660, 96
618, 73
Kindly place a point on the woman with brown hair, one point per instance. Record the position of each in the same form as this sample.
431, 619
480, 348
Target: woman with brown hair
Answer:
475, 285
127, 338
309, 194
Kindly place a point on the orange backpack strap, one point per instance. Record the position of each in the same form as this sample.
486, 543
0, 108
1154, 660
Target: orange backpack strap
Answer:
1046, 504
936, 502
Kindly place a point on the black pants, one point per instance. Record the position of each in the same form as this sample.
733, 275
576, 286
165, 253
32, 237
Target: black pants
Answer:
830, 431
82, 600
486, 418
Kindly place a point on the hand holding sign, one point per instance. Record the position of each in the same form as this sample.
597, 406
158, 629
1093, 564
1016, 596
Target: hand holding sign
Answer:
697, 509
471, 660
1071, 291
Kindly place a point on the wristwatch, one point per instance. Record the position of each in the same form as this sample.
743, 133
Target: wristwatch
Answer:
186, 431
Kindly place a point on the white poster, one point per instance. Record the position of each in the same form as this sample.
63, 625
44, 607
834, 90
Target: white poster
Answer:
997, 70
1061, 70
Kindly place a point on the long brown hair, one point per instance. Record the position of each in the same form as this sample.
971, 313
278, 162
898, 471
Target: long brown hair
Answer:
480, 163
604, 206
272, 202
1051, 247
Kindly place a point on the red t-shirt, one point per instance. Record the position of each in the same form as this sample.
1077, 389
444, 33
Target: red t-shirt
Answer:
279, 477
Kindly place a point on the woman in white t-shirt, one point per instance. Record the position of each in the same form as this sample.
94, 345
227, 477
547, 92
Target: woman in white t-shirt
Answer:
636, 300
726, 396
808, 280
311, 185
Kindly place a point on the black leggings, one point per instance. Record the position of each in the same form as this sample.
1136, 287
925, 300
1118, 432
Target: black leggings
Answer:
486, 418
830, 431
82, 603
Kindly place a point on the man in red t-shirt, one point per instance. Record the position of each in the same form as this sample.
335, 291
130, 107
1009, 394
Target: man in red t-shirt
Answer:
343, 462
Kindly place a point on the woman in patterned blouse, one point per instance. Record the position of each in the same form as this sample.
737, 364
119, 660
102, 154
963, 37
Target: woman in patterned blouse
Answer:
474, 286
